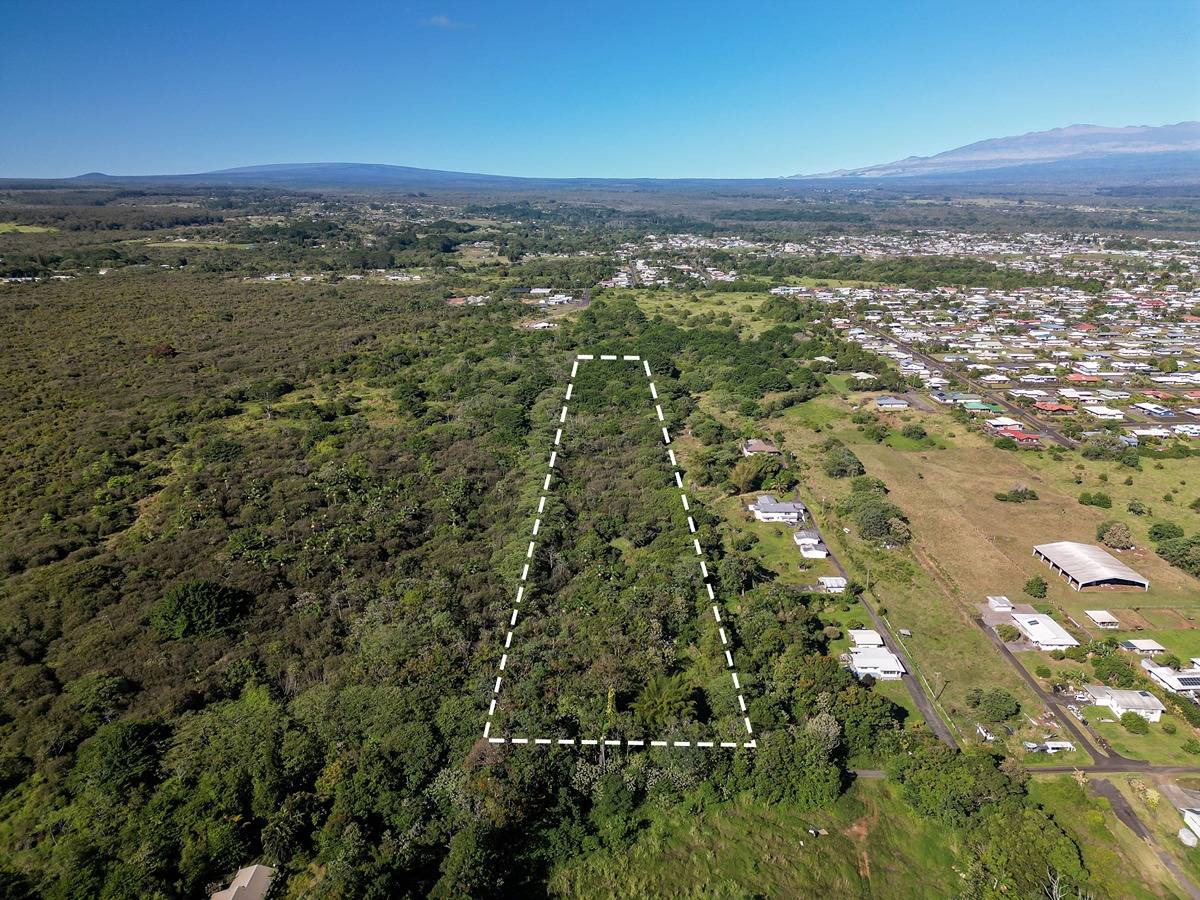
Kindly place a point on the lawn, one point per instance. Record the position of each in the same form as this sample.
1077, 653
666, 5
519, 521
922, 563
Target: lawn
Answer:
775, 548
1156, 747
876, 846
816, 414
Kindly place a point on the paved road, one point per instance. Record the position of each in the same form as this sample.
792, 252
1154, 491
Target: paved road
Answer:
1109, 766
1048, 700
919, 697
983, 390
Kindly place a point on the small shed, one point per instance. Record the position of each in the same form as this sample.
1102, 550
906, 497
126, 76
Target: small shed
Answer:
1103, 618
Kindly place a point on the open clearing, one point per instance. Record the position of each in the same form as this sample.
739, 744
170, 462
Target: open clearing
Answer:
875, 846
15, 228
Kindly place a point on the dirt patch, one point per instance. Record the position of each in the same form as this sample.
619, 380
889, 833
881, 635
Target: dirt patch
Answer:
858, 832
860, 829
1130, 620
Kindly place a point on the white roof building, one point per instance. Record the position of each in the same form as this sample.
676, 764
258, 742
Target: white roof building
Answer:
1086, 565
1044, 631
878, 662
1102, 617
1144, 703
1000, 604
767, 509
834, 584
865, 637
1143, 645
1185, 681
1105, 412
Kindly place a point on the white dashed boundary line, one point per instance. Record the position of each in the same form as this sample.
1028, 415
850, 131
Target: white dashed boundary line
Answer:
750, 742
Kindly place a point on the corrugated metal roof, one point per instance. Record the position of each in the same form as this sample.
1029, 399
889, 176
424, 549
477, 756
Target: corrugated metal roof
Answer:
1088, 564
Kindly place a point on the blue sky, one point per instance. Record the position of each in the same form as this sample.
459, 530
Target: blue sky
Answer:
573, 88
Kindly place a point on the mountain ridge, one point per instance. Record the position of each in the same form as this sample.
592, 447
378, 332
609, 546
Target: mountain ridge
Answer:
1071, 142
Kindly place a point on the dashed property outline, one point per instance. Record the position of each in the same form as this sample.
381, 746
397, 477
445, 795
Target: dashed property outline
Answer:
750, 743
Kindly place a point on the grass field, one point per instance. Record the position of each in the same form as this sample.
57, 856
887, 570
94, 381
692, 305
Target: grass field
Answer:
700, 306
775, 548
1120, 863
1163, 819
876, 846
15, 228
1157, 746
198, 244
951, 653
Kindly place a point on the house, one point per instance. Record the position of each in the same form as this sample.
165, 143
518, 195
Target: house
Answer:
250, 883
1002, 422
767, 509
865, 637
832, 584
1023, 438
1185, 681
1000, 604
1044, 631
1144, 703
891, 403
1105, 412
1143, 646
1102, 617
754, 445
810, 544
878, 662
1054, 409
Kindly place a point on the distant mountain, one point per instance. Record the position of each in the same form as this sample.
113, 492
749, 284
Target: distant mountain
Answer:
325, 174
1088, 156
1171, 151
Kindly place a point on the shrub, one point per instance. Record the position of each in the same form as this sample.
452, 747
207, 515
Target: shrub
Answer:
1168, 727
1079, 653
1117, 535
1008, 633
1182, 552
1018, 494
914, 432
1114, 672
1004, 443
1042, 671
998, 705
1135, 724
196, 608
1170, 660
1137, 507
1036, 586
1098, 498
1192, 746
840, 462
1057, 654
1165, 531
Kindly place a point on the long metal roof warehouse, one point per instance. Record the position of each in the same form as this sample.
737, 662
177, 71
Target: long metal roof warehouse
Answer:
1086, 565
